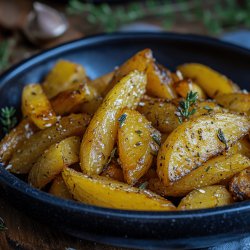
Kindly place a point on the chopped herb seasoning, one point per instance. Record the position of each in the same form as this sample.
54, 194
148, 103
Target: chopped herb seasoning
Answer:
207, 168
143, 185
122, 119
8, 118
156, 139
139, 132
183, 110
222, 138
112, 155
208, 108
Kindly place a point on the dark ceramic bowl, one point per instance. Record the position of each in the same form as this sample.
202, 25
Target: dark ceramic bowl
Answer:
146, 230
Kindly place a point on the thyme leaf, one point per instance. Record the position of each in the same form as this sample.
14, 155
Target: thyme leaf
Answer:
112, 155
143, 185
139, 132
208, 108
122, 119
222, 138
8, 118
157, 139
184, 110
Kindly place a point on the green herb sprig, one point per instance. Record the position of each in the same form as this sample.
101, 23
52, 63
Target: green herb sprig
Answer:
185, 110
8, 119
216, 16
4, 54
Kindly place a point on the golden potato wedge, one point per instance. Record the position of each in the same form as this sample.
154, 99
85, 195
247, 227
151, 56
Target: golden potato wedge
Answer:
138, 62
138, 142
101, 134
101, 83
63, 76
113, 171
105, 192
160, 113
163, 116
28, 153
214, 171
159, 81
70, 101
207, 197
91, 106
239, 102
53, 160
15, 138
155, 185
240, 185
242, 146
37, 107
195, 141
212, 82
59, 188
186, 85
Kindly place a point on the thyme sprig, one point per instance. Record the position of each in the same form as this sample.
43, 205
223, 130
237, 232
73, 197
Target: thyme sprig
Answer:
8, 118
4, 54
216, 16
185, 110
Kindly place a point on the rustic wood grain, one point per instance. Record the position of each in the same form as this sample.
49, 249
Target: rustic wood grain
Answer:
24, 233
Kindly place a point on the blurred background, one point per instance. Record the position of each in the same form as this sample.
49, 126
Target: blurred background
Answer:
27, 27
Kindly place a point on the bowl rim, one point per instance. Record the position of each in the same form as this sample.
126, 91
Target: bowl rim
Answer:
19, 185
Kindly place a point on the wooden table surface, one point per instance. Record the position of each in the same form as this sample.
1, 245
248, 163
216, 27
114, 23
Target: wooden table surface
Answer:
24, 233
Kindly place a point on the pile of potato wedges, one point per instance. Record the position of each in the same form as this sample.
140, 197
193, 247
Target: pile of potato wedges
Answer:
138, 138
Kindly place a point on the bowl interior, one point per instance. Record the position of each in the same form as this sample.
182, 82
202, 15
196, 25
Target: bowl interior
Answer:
99, 55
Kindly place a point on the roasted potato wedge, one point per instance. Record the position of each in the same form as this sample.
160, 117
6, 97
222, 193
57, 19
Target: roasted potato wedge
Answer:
162, 113
138, 142
70, 101
37, 107
159, 81
186, 85
206, 197
214, 171
59, 188
212, 82
105, 192
138, 62
195, 141
241, 147
28, 153
101, 83
99, 139
64, 75
239, 102
113, 171
240, 185
53, 160
15, 138
91, 106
